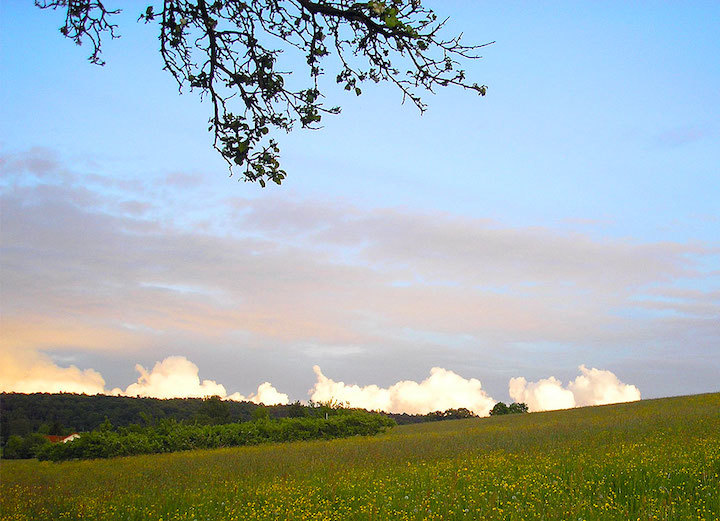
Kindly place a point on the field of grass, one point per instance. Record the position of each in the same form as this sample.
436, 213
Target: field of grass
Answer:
655, 459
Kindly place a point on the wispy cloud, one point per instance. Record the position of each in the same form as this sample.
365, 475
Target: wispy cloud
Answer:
680, 136
91, 266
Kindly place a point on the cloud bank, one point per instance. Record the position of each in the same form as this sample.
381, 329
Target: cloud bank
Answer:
592, 387
442, 390
178, 377
173, 377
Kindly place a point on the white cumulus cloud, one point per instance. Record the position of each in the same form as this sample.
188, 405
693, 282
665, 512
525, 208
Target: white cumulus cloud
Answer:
442, 390
592, 387
543, 395
177, 377
35, 372
266, 394
174, 377
598, 387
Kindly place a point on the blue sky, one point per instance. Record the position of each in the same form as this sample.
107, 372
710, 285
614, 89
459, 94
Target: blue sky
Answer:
582, 191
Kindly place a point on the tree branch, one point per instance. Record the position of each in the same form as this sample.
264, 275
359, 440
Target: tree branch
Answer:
229, 51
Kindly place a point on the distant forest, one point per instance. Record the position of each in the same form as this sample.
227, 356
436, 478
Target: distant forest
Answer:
64, 413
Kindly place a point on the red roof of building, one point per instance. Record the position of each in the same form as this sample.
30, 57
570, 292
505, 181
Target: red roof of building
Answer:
57, 439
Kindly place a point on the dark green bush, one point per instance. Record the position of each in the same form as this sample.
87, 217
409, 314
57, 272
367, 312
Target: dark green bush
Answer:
24, 447
172, 436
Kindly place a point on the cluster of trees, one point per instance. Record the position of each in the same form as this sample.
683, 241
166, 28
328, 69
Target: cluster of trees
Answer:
24, 447
514, 408
169, 435
449, 414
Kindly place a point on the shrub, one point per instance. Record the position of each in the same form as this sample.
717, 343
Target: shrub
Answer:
171, 436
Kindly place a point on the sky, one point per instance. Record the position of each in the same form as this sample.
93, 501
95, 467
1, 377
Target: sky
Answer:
555, 242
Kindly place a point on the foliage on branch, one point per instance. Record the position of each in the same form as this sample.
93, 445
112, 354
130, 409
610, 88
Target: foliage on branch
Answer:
514, 408
229, 51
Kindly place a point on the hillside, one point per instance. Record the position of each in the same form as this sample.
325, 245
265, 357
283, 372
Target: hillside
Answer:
654, 459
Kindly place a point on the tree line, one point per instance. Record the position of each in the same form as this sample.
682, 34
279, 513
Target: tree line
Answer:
65, 413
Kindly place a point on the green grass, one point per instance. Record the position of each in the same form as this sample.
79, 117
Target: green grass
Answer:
655, 459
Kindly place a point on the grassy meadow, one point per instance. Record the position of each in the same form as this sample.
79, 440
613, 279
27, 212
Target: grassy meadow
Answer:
649, 460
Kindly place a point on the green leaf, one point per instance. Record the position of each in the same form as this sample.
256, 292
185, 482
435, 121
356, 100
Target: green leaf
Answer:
391, 20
